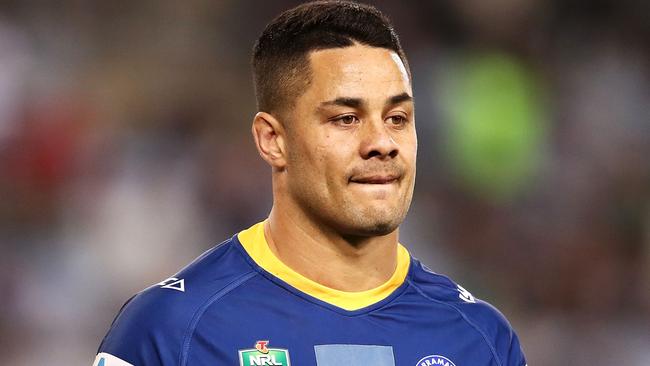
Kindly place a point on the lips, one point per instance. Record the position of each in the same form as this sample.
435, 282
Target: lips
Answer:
375, 179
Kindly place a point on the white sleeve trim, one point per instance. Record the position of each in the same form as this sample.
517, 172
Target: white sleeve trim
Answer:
106, 359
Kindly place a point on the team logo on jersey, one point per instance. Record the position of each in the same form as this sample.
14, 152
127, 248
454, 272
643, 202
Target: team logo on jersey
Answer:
262, 355
435, 360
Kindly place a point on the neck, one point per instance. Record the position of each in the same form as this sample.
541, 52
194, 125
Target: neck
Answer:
327, 257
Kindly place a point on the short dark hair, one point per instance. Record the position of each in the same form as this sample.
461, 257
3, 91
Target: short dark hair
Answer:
280, 56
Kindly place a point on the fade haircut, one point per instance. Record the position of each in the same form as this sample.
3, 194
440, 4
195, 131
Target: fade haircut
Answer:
280, 57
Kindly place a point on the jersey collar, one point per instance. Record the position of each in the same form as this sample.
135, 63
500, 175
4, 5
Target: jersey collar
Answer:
255, 244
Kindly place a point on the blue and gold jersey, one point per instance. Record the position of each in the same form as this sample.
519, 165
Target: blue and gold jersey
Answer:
238, 304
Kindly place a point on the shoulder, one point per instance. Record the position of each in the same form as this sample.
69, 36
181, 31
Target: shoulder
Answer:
480, 315
155, 322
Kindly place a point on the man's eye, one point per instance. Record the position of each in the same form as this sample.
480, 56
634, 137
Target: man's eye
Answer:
398, 120
346, 120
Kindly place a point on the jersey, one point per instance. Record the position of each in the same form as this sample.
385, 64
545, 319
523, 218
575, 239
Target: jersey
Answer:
238, 304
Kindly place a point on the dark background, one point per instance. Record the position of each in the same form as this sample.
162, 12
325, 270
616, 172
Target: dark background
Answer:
125, 152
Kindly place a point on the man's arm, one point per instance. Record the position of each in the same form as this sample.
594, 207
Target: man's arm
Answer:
148, 331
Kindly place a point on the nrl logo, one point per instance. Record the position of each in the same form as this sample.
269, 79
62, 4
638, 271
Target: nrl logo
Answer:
262, 355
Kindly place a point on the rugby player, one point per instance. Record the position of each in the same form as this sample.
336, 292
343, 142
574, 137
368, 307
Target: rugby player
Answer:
322, 281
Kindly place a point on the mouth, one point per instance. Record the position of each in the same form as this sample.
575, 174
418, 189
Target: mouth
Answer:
375, 179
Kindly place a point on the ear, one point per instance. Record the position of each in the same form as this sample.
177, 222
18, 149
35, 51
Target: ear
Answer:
270, 140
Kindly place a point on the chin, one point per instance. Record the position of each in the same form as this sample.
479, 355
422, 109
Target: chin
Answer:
381, 229
367, 226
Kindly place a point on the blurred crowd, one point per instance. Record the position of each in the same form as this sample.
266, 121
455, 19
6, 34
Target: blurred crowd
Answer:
125, 152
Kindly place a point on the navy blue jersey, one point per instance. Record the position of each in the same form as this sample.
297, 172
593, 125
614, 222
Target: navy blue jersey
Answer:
238, 304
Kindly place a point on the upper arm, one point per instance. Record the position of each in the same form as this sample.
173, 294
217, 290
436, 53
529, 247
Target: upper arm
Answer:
511, 352
148, 331
498, 332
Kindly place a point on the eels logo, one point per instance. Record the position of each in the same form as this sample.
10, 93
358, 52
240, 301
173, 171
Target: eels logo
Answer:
435, 360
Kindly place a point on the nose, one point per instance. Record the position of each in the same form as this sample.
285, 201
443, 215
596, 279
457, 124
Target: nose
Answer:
377, 141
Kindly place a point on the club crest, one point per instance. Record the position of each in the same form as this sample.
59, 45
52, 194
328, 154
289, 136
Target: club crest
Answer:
435, 360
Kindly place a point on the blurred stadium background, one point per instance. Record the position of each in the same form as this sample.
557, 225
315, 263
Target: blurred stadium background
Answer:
125, 152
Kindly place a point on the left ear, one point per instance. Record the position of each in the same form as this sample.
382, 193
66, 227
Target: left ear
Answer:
269, 140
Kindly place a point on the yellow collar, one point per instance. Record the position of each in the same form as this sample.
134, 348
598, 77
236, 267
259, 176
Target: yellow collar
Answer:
254, 242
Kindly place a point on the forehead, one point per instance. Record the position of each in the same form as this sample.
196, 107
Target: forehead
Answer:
357, 71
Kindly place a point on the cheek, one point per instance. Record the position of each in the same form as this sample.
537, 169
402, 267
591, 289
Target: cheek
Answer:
321, 145
410, 149
321, 156
308, 161
325, 164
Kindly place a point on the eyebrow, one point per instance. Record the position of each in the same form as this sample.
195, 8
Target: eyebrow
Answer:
358, 102
399, 98
344, 102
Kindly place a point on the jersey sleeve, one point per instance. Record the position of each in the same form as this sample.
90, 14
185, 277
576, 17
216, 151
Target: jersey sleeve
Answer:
498, 331
148, 331
515, 355
507, 344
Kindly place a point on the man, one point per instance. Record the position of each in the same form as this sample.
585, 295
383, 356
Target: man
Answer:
323, 281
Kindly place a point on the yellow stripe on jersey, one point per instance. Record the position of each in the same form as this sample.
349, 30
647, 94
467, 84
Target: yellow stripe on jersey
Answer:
254, 241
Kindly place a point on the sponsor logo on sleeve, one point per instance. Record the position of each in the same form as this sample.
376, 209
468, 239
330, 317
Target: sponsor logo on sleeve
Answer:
173, 283
106, 359
262, 355
465, 295
435, 360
